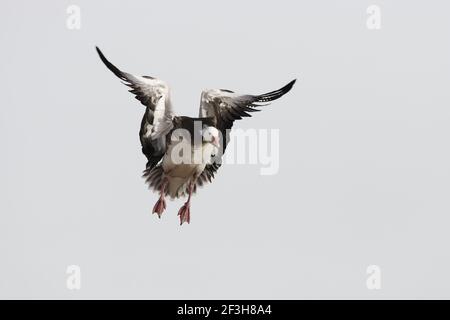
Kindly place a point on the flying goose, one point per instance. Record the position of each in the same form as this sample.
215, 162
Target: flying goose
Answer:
183, 152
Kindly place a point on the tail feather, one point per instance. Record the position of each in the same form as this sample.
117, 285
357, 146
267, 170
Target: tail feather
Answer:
177, 187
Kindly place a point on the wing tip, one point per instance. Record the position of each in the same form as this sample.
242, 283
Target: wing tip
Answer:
270, 96
289, 86
109, 65
102, 56
100, 53
282, 91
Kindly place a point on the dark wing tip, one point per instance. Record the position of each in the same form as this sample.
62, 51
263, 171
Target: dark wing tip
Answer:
277, 93
291, 84
109, 65
100, 53
287, 87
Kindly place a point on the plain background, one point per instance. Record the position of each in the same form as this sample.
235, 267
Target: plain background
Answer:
364, 151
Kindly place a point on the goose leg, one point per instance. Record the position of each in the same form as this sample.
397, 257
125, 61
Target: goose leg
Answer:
160, 205
185, 210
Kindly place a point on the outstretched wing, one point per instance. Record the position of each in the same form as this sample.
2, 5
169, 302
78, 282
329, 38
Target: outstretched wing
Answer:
226, 107
157, 121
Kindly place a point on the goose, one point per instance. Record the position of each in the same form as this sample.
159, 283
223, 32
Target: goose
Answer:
182, 152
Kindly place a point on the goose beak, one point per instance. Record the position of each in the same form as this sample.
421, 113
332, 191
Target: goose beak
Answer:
216, 142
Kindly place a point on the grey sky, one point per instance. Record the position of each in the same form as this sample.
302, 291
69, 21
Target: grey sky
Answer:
364, 156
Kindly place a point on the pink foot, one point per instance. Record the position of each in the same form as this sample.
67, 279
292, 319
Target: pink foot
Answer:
185, 213
160, 206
